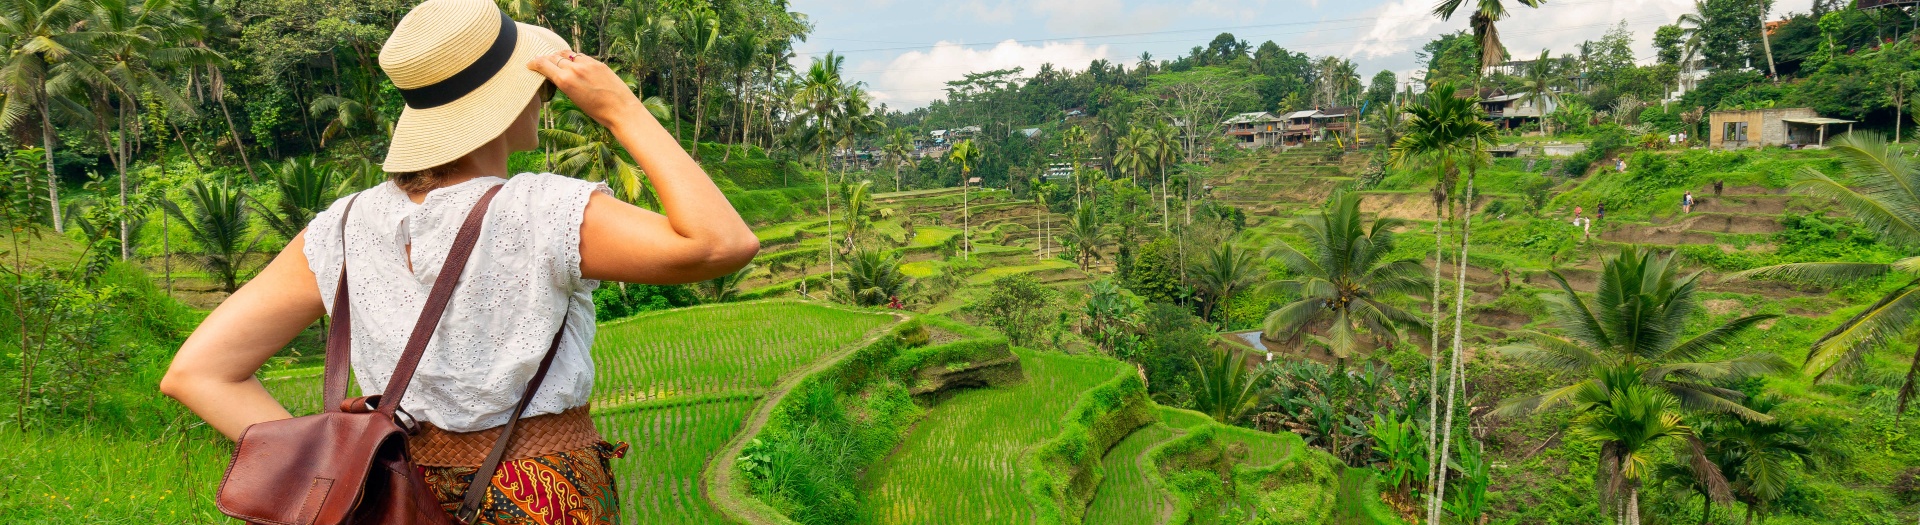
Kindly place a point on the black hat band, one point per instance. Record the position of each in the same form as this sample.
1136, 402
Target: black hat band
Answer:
476, 74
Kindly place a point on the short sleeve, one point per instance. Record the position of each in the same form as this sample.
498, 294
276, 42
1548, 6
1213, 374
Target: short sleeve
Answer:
323, 247
559, 204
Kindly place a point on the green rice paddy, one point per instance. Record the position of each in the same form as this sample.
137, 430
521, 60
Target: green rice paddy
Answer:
962, 463
1128, 493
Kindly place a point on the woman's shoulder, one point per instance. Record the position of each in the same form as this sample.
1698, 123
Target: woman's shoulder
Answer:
550, 190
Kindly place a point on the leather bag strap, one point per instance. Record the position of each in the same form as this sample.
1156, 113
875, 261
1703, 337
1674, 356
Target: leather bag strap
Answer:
443, 286
483, 478
333, 388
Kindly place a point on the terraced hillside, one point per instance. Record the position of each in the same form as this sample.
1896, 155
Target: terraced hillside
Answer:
962, 463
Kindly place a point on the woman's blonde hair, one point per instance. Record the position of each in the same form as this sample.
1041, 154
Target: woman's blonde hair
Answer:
420, 181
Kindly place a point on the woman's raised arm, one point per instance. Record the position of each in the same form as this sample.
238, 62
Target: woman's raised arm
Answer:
699, 237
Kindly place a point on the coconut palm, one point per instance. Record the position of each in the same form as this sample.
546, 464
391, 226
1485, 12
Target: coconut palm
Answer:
1343, 279
1541, 81
1223, 272
1075, 138
589, 151
967, 155
698, 33
1884, 194
207, 20
1485, 14
1134, 153
218, 225
742, 53
1631, 420
873, 278
46, 51
131, 44
1087, 235
1165, 140
1636, 318
346, 116
819, 94
1758, 459
1226, 390
306, 187
859, 206
898, 150
1443, 132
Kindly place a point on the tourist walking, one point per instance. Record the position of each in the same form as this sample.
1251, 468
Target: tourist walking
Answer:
1717, 186
479, 280
1686, 203
1600, 211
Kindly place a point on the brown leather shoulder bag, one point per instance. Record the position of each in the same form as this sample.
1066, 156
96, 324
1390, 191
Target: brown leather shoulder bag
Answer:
349, 464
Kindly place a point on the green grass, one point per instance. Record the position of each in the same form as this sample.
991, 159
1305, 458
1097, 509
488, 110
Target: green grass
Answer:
930, 236
988, 275
1127, 494
659, 480
81, 475
962, 463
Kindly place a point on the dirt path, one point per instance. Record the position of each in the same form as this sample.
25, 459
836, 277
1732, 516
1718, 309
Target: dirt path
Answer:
720, 481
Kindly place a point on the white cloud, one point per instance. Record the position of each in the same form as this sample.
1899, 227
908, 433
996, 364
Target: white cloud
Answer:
917, 77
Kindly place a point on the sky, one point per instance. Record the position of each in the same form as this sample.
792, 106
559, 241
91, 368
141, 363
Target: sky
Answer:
906, 50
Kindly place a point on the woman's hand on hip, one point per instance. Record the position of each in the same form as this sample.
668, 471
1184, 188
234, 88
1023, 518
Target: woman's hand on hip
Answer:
591, 85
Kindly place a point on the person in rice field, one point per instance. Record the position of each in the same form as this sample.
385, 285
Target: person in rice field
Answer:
544, 243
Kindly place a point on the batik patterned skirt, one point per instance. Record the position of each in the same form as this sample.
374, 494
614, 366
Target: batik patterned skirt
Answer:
569, 488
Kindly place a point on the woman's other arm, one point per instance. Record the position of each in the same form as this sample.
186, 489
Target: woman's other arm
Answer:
214, 372
700, 236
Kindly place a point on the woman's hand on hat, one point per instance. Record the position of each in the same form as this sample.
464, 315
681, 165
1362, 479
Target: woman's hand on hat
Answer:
591, 85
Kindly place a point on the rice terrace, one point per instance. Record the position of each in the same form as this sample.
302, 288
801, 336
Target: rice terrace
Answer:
1127, 263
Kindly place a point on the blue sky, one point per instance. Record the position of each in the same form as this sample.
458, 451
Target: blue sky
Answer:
905, 50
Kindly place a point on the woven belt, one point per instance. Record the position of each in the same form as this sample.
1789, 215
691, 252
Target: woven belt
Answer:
537, 436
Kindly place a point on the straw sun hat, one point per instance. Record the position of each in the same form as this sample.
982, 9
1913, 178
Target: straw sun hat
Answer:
461, 66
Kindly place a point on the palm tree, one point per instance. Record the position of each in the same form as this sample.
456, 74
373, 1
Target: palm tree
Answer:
698, 34
207, 20
968, 155
131, 43
1075, 138
1630, 419
46, 50
1884, 194
1087, 235
1485, 14
345, 116
1541, 80
1343, 284
820, 92
219, 225
724, 288
1224, 272
742, 54
1165, 141
859, 206
1636, 317
1443, 131
1758, 459
873, 279
898, 150
1226, 390
589, 151
1133, 153
306, 187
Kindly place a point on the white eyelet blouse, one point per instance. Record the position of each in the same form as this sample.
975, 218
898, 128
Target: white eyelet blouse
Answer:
524, 277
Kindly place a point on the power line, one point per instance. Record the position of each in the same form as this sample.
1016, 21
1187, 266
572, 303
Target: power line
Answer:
1370, 20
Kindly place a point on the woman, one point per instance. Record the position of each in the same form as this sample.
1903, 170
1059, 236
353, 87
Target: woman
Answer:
474, 81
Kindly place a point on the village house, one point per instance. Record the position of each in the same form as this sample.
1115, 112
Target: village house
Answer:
1754, 128
1297, 127
1258, 129
1512, 110
1333, 122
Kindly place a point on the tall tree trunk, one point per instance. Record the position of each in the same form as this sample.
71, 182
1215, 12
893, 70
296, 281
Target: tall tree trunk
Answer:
1633, 504
966, 215
219, 94
1459, 306
182, 138
1433, 364
699, 107
53, 179
120, 164
1706, 508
